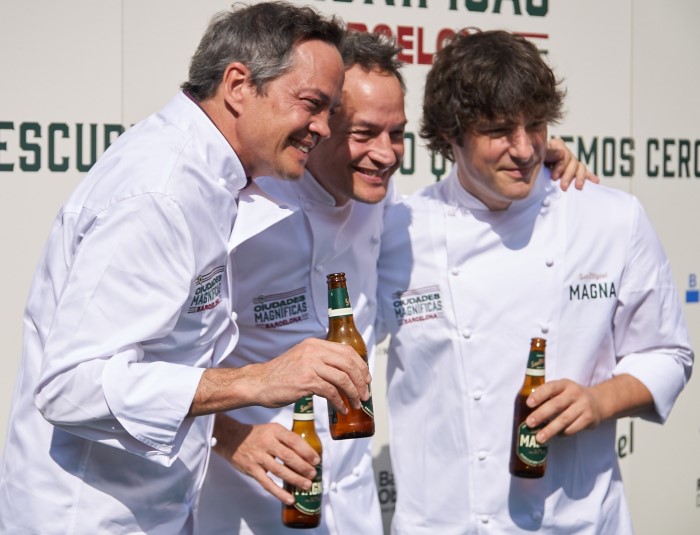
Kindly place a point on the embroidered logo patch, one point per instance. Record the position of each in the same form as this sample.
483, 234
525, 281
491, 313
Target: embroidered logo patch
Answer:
207, 291
420, 304
278, 310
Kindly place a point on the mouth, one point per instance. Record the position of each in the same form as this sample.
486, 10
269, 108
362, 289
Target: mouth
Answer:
375, 176
524, 173
303, 145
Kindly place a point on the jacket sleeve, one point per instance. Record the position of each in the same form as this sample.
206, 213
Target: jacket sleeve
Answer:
650, 332
127, 277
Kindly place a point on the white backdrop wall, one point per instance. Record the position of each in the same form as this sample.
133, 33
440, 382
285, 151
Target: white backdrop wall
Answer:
75, 73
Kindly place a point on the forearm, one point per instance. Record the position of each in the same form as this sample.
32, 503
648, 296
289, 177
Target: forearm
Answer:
224, 389
566, 407
623, 395
311, 367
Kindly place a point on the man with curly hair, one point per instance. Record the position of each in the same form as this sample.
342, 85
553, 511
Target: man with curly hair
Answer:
472, 268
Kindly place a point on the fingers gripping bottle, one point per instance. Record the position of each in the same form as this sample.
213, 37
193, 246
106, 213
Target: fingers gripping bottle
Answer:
356, 423
528, 458
306, 511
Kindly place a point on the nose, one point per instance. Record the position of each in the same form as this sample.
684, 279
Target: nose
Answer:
320, 126
522, 144
384, 151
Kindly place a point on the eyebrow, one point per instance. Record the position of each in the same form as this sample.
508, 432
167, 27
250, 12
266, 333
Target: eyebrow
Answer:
369, 124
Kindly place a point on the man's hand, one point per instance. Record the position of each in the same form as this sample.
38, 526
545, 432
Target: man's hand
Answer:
256, 450
313, 366
567, 407
565, 167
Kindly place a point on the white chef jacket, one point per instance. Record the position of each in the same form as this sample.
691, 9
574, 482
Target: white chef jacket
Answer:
585, 271
129, 304
281, 298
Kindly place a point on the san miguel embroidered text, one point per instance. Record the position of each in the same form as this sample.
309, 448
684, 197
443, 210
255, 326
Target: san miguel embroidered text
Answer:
356, 423
528, 458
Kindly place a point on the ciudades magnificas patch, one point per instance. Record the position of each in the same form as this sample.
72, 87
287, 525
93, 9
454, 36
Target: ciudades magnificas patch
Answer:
207, 292
419, 304
277, 310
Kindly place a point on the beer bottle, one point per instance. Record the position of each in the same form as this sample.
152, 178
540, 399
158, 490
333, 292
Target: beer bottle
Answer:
341, 328
528, 458
306, 511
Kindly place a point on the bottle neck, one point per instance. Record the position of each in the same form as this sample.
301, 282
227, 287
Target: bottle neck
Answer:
304, 409
338, 302
531, 372
535, 363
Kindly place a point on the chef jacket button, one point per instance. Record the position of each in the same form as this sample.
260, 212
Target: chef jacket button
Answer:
545, 203
549, 262
222, 181
543, 211
213, 442
537, 515
374, 240
477, 395
334, 487
484, 519
283, 206
466, 333
318, 269
356, 472
454, 271
234, 316
545, 329
482, 455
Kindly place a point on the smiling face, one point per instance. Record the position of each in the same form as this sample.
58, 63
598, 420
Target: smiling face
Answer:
274, 131
498, 161
366, 143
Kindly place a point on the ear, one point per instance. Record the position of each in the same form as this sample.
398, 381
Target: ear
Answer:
236, 85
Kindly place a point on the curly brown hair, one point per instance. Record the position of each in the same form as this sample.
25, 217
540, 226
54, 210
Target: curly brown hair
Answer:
485, 75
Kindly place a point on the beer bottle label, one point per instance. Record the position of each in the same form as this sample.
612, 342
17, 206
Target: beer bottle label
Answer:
529, 450
304, 408
367, 406
535, 363
338, 302
309, 501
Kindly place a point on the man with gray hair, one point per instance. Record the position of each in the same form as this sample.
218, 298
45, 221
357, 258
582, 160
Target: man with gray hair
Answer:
130, 308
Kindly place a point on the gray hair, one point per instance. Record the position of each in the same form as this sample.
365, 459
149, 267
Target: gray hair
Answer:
260, 36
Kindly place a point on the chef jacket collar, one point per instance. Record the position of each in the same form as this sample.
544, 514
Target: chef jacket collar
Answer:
460, 197
257, 211
312, 190
186, 114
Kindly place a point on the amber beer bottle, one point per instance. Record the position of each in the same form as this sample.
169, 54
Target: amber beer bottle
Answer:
356, 423
306, 511
528, 458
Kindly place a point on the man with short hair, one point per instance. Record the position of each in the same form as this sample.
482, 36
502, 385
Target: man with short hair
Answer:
130, 306
326, 224
329, 221
472, 268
